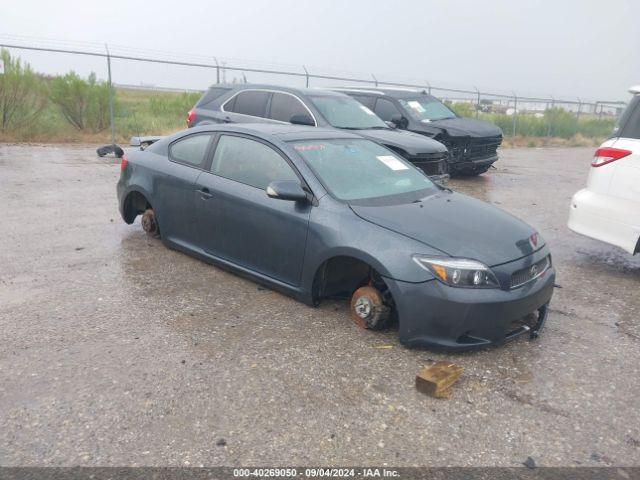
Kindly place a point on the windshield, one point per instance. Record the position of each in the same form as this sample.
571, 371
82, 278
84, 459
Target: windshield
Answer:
354, 169
427, 108
345, 112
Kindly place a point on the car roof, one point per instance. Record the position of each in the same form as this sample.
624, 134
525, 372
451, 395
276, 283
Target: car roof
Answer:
391, 92
281, 88
285, 132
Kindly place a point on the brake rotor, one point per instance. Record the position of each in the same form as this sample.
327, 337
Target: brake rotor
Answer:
367, 309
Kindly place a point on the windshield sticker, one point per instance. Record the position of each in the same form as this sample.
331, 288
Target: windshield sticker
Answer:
392, 162
366, 110
416, 106
308, 148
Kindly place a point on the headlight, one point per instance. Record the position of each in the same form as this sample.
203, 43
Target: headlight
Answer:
459, 272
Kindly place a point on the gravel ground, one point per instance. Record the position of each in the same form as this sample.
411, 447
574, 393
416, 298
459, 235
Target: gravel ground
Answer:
118, 351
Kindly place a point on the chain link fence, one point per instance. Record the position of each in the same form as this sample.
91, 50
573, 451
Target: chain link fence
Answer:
150, 70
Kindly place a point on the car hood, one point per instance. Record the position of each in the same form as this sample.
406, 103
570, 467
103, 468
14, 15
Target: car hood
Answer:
462, 127
457, 225
411, 143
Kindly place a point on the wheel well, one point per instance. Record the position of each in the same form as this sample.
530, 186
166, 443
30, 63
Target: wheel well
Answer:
135, 204
341, 276
637, 250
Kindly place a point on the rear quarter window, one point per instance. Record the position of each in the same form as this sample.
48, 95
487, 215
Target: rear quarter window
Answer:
210, 95
629, 123
190, 150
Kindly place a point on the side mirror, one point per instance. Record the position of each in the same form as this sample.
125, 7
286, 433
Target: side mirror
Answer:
302, 119
287, 190
400, 121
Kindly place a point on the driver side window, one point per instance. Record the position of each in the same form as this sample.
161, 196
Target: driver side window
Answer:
250, 162
385, 109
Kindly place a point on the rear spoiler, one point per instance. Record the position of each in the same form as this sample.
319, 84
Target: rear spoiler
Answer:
143, 142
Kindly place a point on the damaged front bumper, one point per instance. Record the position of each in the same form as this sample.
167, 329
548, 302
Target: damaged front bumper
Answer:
472, 155
434, 165
472, 166
432, 314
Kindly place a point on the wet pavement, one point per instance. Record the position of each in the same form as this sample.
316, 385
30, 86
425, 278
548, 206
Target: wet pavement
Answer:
118, 351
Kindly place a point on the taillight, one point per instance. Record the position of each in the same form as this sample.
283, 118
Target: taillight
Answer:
607, 155
191, 116
123, 163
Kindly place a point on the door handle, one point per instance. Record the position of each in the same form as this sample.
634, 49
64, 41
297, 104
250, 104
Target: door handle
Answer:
205, 194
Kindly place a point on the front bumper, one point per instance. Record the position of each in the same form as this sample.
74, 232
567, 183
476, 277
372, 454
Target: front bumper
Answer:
434, 165
472, 166
433, 314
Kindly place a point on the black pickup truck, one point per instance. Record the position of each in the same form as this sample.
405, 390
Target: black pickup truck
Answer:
472, 144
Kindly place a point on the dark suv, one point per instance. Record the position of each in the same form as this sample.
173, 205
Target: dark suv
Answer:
321, 108
472, 144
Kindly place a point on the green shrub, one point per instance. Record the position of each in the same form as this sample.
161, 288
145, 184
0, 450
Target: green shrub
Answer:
555, 122
22, 94
173, 105
463, 109
151, 113
83, 103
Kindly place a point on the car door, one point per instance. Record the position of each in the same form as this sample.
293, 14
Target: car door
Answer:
239, 222
174, 188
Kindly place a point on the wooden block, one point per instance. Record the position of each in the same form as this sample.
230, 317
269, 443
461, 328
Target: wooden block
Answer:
437, 379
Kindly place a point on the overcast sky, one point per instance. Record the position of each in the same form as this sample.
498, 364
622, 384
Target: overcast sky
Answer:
588, 48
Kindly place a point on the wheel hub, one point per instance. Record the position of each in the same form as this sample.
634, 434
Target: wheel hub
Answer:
363, 307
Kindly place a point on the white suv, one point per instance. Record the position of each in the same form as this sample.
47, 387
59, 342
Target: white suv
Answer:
609, 208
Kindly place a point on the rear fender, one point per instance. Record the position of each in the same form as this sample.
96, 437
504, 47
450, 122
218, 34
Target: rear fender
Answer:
135, 201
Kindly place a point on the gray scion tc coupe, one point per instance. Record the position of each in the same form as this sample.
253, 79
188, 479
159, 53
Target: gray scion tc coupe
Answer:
316, 212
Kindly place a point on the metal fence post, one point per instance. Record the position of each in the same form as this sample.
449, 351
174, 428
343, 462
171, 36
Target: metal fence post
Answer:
515, 112
428, 87
111, 119
579, 109
553, 106
217, 70
477, 102
306, 76
375, 80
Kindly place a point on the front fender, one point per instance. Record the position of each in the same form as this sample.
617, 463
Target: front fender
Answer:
343, 234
